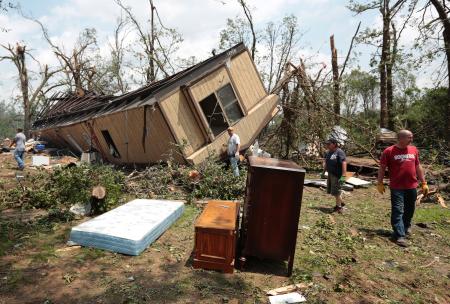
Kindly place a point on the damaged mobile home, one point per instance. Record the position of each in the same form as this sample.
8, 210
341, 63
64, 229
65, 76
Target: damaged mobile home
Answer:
191, 109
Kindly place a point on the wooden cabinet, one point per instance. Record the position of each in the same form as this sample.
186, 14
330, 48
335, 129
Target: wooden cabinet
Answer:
271, 210
216, 235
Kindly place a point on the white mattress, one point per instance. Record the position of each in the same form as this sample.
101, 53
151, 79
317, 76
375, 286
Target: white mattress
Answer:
130, 228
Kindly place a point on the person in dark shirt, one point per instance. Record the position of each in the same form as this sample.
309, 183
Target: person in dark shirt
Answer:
336, 165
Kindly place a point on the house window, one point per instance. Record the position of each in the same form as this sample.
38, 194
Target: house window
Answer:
221, 109
230, 104
111, 146
214, 114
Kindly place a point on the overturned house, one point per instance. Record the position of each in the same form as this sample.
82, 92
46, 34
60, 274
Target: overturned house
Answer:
188, 111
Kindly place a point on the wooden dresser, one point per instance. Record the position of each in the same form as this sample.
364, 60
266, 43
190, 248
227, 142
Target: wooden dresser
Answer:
216, 236
271, 210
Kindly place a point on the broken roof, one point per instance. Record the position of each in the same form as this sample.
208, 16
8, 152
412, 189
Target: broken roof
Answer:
72, 109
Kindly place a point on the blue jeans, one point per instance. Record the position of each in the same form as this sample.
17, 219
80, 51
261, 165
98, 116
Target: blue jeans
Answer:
234, 165
403, 205
19, 155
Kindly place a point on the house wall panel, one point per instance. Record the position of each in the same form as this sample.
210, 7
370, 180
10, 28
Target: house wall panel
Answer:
127, 130
209, 84
246, 79
183, 121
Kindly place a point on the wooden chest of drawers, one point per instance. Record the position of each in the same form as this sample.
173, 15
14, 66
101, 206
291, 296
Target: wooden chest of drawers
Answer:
271, 210
216, 236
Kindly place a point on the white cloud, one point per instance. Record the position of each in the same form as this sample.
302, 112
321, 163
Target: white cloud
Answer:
199, 22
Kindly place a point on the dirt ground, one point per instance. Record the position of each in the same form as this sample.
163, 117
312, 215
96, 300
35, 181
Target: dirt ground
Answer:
348, 258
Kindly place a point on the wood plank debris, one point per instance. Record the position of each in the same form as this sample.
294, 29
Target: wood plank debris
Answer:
441, 200
357, 182
322, 183
287, 289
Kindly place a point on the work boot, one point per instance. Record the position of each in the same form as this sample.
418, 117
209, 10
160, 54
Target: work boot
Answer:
401, 242
408, 233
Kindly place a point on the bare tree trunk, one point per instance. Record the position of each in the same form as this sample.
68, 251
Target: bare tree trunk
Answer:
389, 80
443, 16
385, 49
29, 97
335, 67
24, 83
249, 17
152, 75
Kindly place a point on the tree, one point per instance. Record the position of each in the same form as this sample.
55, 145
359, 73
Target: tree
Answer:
248, 15
5, 6
240, 30
10, 119
337, 76
443, 12
359, 92
117, 56
158, 45
278, 40
388, 47
426, 116
236, 31
77, 65
30, 97
406, 91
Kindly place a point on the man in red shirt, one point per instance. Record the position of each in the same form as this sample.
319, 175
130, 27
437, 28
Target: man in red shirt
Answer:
402, 161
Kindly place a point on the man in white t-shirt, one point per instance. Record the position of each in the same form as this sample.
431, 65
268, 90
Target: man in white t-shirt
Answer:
19, 151
234, 144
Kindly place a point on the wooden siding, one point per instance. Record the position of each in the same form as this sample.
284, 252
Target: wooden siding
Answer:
247, 128
127, 130
246, 80
75, 137
209, 84
127, 126
184, 124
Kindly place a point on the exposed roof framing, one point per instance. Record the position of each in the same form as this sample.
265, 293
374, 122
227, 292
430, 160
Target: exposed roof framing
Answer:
68, 109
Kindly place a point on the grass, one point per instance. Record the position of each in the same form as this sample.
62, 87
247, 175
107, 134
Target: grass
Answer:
348, 259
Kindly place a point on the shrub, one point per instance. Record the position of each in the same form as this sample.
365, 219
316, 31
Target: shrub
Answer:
215, 181
67, 186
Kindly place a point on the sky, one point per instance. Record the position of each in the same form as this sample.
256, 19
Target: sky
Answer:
199, 22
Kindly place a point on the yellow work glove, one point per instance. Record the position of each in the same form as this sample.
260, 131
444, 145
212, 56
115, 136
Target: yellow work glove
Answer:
380, 188
425, 189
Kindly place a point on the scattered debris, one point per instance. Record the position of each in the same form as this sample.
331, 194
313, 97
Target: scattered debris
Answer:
436, 259
194, 175
340, 134
432, 194
65, 160
81, 209
293, 297
357, 182
322, 183
365, 165
315, 183
287, 289
40, 160
254, 150
69, 248
441, 201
